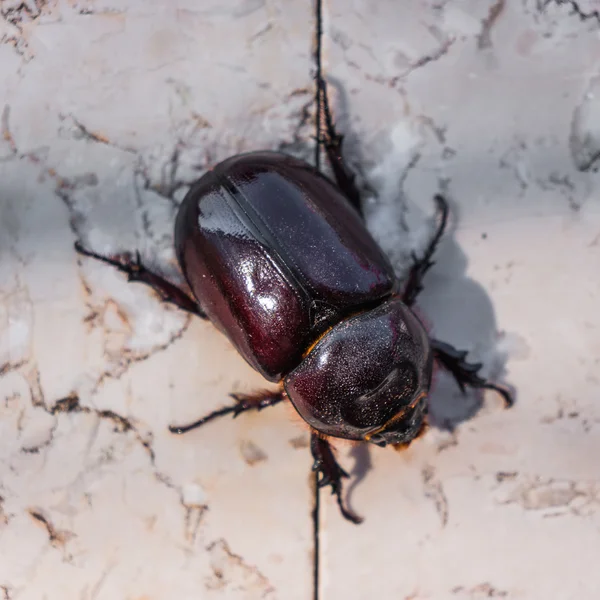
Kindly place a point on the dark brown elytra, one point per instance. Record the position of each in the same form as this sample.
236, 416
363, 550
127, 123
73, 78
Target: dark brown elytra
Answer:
279, 259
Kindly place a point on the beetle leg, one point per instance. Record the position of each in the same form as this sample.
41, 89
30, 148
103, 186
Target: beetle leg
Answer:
465, 373
136, 271
243, 403
331, 473
414, 285
344, 176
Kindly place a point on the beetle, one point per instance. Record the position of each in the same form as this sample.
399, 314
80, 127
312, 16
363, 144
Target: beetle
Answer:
278, 258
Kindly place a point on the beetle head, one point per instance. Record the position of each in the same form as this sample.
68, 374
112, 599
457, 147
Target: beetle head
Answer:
367, 378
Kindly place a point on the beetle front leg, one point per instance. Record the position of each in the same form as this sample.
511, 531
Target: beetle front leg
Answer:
136, 271
331, 472
243, 403
345, 178
414, 285
465, 373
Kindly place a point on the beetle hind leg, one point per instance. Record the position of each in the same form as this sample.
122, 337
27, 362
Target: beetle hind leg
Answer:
136, 271
243, 403
414, 285
345, 178
465, 373
330, 473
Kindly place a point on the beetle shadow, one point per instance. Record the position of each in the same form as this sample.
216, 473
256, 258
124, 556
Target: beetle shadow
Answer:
456, 309
460, 313
362, 465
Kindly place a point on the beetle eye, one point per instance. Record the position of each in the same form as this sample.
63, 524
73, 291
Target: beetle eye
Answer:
380, 402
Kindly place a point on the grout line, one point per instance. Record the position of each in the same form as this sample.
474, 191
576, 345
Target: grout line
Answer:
316, 533
318, 101
318, 77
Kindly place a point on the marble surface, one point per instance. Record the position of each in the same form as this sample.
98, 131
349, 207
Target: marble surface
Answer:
109, 110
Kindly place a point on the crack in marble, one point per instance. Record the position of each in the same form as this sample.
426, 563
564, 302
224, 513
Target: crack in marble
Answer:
128, 358
9, 366
260, 33
58, 538
485, 40
85, 133
480, 591
584, 137
101, 11
6, 133
194, 515
575, 9
13, 13
33, 378
230, 571
552, 497
97, 587
392, 82
506, 476
11, 34
194, 510
4, 518
42, 445
15, 8
435, 491
38, 159
298, 146
426, 59
169, 185
251, 452
71, 404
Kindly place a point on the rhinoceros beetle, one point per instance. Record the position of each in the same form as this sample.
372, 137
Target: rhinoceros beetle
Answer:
278, 258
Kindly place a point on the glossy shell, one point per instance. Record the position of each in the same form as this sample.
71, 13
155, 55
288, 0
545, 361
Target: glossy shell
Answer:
363, 373
275, 255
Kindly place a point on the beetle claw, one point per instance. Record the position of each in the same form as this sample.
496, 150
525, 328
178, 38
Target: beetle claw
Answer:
330, 473
464, 373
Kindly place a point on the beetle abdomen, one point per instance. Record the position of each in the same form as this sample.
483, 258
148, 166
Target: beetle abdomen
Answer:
274, 255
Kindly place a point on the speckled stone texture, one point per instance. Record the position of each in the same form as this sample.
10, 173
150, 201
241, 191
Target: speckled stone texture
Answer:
109, 110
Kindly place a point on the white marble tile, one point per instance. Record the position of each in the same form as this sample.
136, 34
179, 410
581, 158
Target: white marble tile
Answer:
503, 119
109, 111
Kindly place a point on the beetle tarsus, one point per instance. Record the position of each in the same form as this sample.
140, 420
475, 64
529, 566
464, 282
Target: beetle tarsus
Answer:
465, 373
345, 178
136, 271
414, 285
330, 473
243, 403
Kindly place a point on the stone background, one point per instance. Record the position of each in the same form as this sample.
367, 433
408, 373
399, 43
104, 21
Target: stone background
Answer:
109, 110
